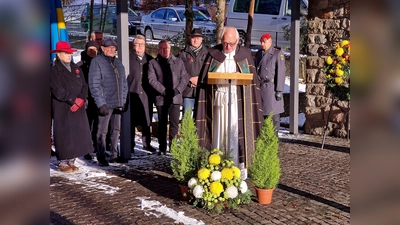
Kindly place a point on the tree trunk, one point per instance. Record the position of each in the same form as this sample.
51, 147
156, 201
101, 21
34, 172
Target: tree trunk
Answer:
189, 20
90, 19
220, 18
249, 24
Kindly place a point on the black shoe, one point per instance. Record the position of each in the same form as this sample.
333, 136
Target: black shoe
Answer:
150, 148
113, 160
88, 156
103, 162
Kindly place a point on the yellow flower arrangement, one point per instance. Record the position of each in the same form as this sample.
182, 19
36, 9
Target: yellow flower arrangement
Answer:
227, 173
337, 70
203, 173
214, 159
218, 184
216, 187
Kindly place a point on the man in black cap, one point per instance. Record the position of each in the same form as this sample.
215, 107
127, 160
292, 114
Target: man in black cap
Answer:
193, 57
109, 88
91, 50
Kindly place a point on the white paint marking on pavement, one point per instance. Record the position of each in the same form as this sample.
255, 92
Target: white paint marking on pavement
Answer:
179, 217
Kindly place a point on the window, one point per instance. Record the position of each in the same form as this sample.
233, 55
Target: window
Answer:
270, 7
171, 14
288, 7
159, 14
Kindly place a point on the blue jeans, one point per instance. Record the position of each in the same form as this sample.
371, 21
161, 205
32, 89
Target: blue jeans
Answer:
188, 103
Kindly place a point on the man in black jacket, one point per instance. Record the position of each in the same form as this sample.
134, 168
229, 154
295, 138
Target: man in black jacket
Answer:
91, 49
168, 76
109, 88
193, 57
141, 93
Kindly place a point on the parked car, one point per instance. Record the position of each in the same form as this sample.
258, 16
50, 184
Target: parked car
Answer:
169, 21
269, 16
110, 25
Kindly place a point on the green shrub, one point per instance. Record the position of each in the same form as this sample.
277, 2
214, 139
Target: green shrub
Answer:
185, 151
265, 167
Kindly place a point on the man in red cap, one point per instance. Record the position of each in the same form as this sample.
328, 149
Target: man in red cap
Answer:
270, 65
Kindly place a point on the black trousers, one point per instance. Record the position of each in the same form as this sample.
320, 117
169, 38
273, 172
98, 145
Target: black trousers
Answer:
173, 111
113, 119
93, 119
138, 118
276, 119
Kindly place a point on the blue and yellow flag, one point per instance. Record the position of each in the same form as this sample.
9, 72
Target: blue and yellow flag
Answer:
58, 30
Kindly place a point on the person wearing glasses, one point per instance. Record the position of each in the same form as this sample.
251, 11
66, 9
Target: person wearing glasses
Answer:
141, 97
109, 88
211, 111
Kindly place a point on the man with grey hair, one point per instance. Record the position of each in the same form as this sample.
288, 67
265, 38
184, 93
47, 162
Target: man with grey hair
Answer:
168, 76
211, 109
141, 97
109, 88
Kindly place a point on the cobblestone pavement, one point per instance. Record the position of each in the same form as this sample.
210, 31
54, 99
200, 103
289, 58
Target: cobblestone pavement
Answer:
314, 189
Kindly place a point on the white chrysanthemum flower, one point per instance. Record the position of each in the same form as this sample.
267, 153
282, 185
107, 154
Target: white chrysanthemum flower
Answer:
243, 187
192, 182
198, 191
216, 175
232, 192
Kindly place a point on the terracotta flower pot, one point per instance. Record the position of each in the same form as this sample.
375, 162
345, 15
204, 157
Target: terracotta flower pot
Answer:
264, 196
185, 192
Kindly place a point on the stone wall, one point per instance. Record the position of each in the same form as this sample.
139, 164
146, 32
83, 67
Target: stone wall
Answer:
329, 23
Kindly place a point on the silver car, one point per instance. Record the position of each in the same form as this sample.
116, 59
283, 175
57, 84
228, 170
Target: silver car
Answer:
168, 21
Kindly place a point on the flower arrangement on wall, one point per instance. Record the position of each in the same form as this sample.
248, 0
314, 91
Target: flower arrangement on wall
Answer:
218, 184
337, 70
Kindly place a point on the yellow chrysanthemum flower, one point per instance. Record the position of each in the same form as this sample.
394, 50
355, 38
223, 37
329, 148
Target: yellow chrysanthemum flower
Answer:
203, 173
338, 80
343, 61
339, 51
329, 60
344, 42
214, 159
236, 171
338, 66
332, 71
339, 72
329, 76
216, 187
348, 49
227, 173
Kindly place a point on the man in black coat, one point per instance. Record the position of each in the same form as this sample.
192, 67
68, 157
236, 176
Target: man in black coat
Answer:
91, 49
141, 93
270, 64
168, 76
193, 56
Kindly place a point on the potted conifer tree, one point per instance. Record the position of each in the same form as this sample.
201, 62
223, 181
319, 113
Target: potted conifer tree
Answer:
186, 153
264, 169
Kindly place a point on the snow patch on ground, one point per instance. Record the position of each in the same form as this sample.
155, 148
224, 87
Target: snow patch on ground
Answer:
301, 118
161, 209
